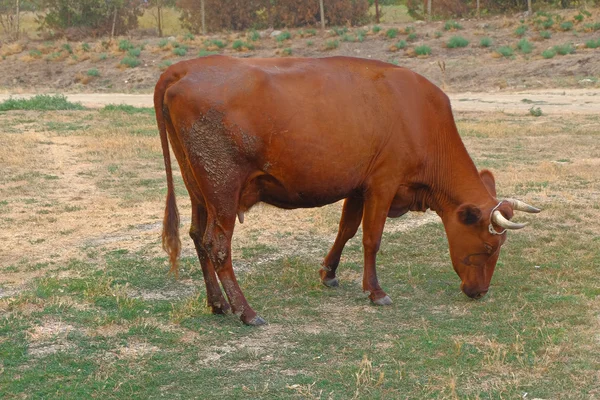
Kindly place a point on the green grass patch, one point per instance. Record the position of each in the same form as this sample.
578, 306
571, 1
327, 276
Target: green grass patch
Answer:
135, 52
240, 45
41, 102
505, 51
525, 46
457, 41
125, 45
130, 62
401, 44
127, 109
566, 26
548, 53
546, 34
180, 51
332, 44
218, 43
376, 29
283, 36
423, 50
254, 36
535, 111
564, 49
163, 43
391, 33
452, 26
204, 53
592, 44
93, 72
485, 42
521, 30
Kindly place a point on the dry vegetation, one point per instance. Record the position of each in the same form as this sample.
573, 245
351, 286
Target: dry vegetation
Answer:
87, 305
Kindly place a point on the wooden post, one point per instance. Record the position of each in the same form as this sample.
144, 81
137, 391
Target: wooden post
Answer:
322, 14
203, 17
377, 11
429, 10
18, 20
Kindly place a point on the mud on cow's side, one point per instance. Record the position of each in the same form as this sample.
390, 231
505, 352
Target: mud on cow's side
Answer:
308, 132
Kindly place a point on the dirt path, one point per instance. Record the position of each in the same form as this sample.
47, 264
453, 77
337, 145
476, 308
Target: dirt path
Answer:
551, 101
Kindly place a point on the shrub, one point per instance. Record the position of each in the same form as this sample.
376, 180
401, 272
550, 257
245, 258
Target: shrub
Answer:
309, 42
216, 42
85, 47
254, 35
125, 45
189, 36
68, 48
400, 45
287, 51
162, 43
438, 34
360, 35
452, 26
135, 52
180, 51
204, 53
592, 44
579, 17
93, 72
311, 32
536, 112
40, 102
164, 64
566, 26
103, 56
412, 37
376, 29
130, 62
283, 36
485, 42
339, 31
348, 38
546, 34
332, 44
391, 33
592, 27
240, 45
505, 51
423, 50
548, 53
520, 31
525, 46
35, 53
564, 49
457, 41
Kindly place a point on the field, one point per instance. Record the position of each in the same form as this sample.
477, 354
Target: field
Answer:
88, 309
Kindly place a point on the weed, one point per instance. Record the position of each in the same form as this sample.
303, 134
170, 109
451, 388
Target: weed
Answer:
180, 51
452, 26
592, 44
412, 37
35, 53
546, 34
592, 27
240, 45
125, 45
579, 17
348, 38
438, 34
525, 46
254, 36
127, 109
485, 42
400, 44
332, 44
535, 111
423, 50
163, 65
103, 56
204, 53
360, 35
85, 47
309, 43
564, 49
135, 52
549, 53
218, 43
283, 36
93, 72
130, 62
67, 47
189, 36
566, 26
311, 32
391, 33
376, 29
287, 51
162, 43
520, 31
505, 51
40, 102
339, 31
457, 41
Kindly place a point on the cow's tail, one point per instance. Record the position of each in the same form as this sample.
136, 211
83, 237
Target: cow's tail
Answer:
170, 234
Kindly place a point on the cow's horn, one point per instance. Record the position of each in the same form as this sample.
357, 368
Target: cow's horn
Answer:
519, 205
499, 219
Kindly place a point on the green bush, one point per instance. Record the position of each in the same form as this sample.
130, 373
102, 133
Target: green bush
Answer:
579, 17
457, 41
68, 48
505, 51
452, 25
536, 112
135, 52
592, 27
287, 51
564, 49
189, 36
566, 26
180, 51
283, 36
35, 53
41, 102
437, 34
546, 34
400, 45
240, 45
130, 62
360, 35
520, 31
85, 47
525, 46
412, 37
103, 56
309, 43
376, 29
485, 42
162, 43
125, 45
254, 35
348, 38
165, 64
93, 72
391, 33
219, 43
339, 31
204, 53
423, 50
332, 44
592, 44
548, 53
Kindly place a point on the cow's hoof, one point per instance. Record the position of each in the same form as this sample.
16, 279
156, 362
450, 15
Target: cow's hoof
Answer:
384, 301
335, 282
256, 321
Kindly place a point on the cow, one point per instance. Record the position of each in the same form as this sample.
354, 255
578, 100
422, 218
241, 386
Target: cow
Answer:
301, 133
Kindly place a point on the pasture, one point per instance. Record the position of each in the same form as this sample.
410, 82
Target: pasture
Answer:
88, 310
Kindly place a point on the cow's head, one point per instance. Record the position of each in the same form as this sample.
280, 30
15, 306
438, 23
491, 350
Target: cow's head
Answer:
475, 235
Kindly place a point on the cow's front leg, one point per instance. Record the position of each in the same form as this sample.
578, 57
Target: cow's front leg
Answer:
349, 223
375, 213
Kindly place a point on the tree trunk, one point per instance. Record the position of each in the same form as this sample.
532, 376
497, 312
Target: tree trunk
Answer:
18, 33
159, 11
478, 14
429, 10
377, 11
112, 31
322, 14
529, 10
203, 17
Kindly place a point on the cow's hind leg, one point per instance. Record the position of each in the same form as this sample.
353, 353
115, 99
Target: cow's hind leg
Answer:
349, 223
214, 296
217, 243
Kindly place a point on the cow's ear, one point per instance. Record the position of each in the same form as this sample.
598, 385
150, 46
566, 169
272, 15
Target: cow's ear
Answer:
469, 214
488, 180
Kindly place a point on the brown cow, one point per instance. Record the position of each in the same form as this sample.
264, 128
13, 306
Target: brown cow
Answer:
300, 133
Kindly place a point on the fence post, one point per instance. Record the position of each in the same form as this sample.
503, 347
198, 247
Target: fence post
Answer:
322, 14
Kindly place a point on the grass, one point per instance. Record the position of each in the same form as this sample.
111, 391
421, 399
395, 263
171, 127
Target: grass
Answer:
127, 109
135, 52
457, 41
422, 50
505, 51
376, 29
485, 42
566, 26
520, 31
254, 36
93, 72
548, 53
204, 53
240, 45
130, 62
401, 44
125, 45
332, 44
180, 51
283, 36
391, 33
525, 46
104, 320
564, 49
535, 111
452, 26
592, 44
40, 102
287, 51
546, 34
